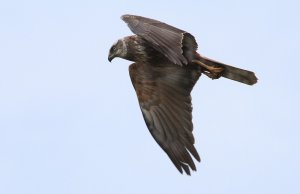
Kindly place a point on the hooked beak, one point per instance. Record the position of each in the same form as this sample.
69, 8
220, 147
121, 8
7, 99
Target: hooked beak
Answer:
110, 58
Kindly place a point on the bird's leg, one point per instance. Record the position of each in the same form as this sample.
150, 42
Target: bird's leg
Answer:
212, 72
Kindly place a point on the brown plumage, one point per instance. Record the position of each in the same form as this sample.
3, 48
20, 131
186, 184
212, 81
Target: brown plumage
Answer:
165, 71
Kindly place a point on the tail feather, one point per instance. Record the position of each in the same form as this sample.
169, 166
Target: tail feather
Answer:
233, 73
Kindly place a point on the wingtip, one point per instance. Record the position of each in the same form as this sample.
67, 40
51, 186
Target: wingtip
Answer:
125, 17
186, 169
197, 157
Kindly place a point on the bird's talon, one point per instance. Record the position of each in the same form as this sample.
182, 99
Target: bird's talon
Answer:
210, 71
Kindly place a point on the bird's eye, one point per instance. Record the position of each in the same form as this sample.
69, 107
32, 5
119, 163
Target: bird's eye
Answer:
113, 49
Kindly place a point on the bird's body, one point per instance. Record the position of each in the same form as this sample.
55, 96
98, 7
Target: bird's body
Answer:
166, 67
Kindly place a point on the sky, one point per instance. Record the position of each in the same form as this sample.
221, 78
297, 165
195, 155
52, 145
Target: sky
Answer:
70, 121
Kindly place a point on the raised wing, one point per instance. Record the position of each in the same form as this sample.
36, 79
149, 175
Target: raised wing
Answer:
163, 92
177, 45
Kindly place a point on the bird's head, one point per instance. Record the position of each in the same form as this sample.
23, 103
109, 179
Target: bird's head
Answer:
119, 49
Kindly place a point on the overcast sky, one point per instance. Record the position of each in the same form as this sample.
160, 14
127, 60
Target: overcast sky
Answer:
70, 121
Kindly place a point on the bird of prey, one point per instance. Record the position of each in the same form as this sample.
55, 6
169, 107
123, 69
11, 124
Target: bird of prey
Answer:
166, 67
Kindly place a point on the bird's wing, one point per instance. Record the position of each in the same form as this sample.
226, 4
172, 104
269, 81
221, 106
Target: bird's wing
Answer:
177, 45
164, 97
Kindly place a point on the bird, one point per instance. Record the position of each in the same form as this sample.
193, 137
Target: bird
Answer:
165, 68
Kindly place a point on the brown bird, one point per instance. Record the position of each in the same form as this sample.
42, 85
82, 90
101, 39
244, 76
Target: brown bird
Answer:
166, 67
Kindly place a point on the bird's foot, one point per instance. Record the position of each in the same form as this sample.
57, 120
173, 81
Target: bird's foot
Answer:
210, 71
211, 75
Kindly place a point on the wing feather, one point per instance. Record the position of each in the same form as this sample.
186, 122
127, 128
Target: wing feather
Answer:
164, 96
177, 45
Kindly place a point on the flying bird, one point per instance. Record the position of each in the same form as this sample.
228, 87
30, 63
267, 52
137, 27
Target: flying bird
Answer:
166, 67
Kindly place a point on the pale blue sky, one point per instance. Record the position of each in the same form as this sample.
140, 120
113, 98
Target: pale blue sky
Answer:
70, 121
